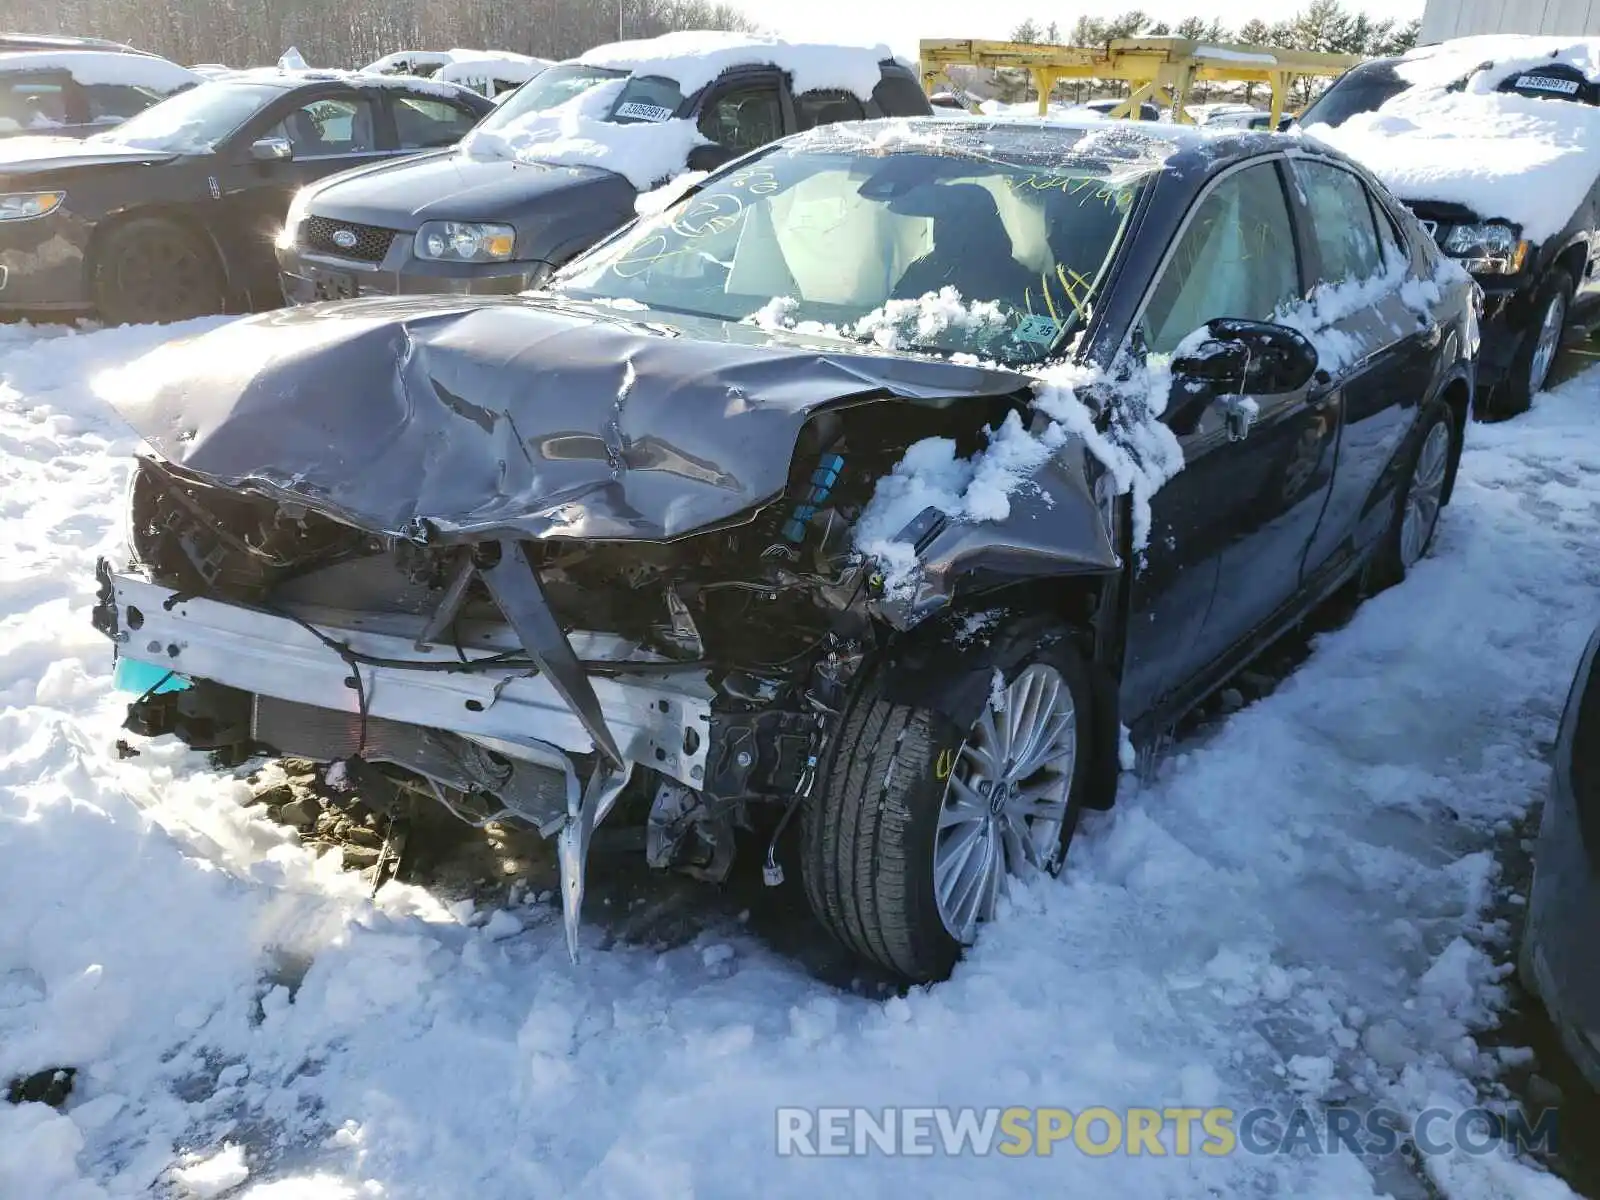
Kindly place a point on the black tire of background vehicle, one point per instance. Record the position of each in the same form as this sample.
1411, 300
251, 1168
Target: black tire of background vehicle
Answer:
867, 832
153, 270
1388, 566
1515, 395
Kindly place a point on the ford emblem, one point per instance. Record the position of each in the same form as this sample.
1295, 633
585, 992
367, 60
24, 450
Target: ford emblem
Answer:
345, 239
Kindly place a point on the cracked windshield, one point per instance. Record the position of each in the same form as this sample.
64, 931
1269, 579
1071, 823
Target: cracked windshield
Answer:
916, 251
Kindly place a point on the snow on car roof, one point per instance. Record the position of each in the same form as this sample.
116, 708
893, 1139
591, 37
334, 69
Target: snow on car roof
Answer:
648, 153
91, 67
694, 58
294, 78
1506, 156
460, 62
465, 65
1443, 63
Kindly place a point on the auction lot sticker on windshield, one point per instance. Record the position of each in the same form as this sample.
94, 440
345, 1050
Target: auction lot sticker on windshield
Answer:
1038, 329
644, 112
1544, 83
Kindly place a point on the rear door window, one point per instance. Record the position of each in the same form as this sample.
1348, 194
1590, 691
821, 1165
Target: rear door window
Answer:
110, 102
423, 122
1341, 222
744, 117
33, 103
826, 108
330, 127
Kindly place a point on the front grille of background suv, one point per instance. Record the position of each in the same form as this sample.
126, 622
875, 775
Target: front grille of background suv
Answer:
372, 242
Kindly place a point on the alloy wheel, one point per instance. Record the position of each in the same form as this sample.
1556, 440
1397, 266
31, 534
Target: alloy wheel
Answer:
1548, 346
1425, 495
1006, 798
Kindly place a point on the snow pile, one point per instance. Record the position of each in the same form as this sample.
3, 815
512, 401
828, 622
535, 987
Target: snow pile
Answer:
694, 58
1135, 449
90, 67
205, 1178
1319, 315
922, 321
293, 60
931, 475
1294, 906
1505, 156
466, 67
900, 324
648, 204
646, 153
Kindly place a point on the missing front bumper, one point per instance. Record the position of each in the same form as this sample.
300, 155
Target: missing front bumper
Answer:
660, 721
652, 719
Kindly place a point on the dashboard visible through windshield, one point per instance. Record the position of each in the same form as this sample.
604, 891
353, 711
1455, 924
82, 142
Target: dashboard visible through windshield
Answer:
918, 250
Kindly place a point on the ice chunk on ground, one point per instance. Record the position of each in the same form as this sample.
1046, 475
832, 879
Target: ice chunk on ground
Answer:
207, 1178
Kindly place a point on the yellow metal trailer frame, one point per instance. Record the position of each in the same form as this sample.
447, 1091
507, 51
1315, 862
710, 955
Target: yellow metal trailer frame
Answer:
1161, 70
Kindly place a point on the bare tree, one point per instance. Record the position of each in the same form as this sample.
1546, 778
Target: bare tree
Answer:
353, 32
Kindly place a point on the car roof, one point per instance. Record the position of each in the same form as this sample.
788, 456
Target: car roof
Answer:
290, 79
52, 41
1059, 140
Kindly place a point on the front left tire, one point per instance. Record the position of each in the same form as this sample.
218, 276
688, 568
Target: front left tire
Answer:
917, 825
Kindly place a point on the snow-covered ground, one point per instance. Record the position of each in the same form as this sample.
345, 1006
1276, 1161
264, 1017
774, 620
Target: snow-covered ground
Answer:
1294, 909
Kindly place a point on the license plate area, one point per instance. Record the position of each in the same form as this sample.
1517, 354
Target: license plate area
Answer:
336, 285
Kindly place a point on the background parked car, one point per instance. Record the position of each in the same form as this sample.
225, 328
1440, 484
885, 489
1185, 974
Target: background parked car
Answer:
942, 704
174, 213
10, 42
492, 72
1147, 110
73, 93
1559, 963
562, 162
1491, 142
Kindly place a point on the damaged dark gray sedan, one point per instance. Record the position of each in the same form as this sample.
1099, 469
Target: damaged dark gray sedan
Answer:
843, 500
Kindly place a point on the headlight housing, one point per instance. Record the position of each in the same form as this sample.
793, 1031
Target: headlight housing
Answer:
22, 206
1491, 248
465, 241
299, 210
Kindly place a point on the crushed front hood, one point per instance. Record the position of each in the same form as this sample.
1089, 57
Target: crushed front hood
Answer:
439, 418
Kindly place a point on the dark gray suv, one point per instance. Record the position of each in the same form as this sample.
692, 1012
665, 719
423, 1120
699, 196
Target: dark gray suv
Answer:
1559, 960
499, 213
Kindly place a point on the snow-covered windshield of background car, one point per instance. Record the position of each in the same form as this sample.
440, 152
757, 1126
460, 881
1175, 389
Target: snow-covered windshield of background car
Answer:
195, 120
927, 251
642, 98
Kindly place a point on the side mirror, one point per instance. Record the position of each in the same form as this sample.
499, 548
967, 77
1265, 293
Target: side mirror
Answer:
1231, 355
271, 149
1230, 359
709, 157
